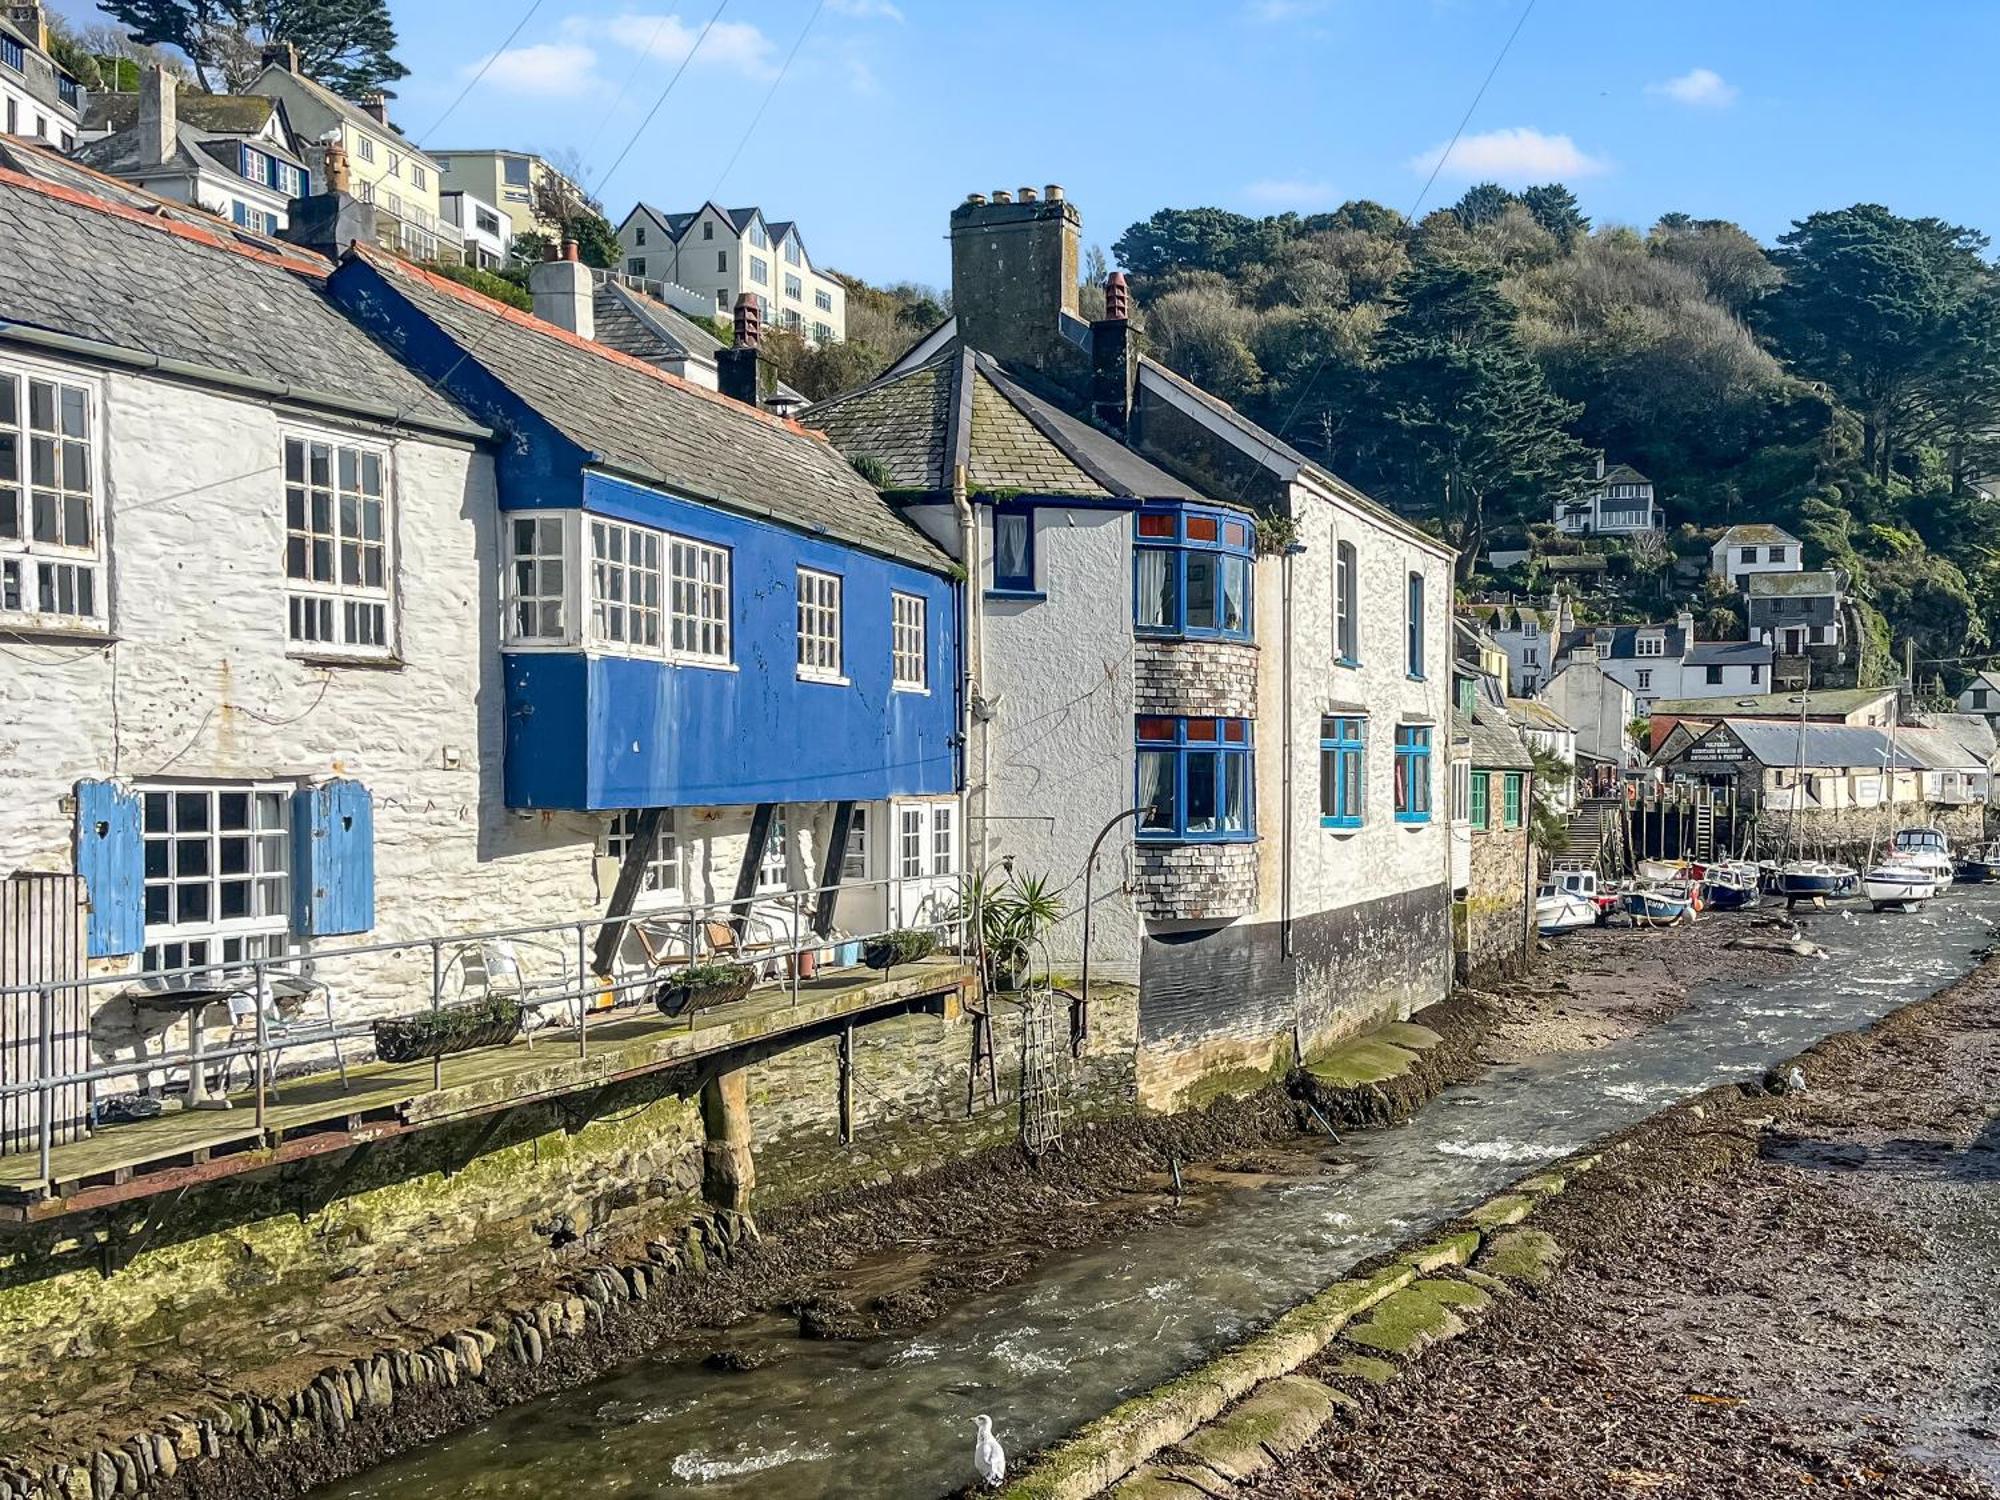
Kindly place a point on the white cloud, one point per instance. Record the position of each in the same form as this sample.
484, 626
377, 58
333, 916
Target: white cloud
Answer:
552, 69
865, 10
1517, 155
1704, 88
1291, 192
736, 45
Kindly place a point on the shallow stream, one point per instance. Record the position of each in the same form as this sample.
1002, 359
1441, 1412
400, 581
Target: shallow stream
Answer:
893, 1417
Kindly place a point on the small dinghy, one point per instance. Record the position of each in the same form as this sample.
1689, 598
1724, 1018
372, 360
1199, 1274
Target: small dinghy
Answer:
1662, 869
1732, 885
1898, 884
1663, 904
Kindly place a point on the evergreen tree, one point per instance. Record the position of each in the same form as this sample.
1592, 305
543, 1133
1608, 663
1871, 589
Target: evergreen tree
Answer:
348, 45
1482, 204
1555, 208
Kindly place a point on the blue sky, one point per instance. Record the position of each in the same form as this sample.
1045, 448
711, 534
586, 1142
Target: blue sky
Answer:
895, 109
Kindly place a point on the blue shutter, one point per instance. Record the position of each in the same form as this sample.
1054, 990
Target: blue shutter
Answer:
110, 856
333, 829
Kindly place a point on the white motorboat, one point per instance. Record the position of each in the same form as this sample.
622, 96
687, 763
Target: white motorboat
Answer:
1929, 850
1558, 911
1898, 883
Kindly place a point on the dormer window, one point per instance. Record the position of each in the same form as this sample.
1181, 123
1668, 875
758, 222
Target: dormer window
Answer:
1651, 644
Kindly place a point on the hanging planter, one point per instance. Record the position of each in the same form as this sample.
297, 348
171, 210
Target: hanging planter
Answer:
703, 986
438, 1033
904, 946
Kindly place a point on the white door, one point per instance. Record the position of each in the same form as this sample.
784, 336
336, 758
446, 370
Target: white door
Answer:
924, 861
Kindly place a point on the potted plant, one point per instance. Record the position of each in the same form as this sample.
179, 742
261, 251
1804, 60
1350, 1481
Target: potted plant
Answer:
491, 1022
904, 946
1013, 922
703, 985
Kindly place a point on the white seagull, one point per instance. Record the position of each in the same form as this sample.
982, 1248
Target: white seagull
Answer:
989, 1459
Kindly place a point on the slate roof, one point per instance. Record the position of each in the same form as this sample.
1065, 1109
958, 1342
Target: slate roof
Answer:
1495, 744
349, 111
1532, 713
638, 420
1823, 701
95, 259
222, 114
637, 325
1621, 474
1793, 585
194, 146
965, 407
1760, 534
1973, 731
1729, 654
1620, 642
1773, 743
1938, 749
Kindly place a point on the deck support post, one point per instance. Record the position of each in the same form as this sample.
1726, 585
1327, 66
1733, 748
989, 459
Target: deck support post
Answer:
753, 856
631, 878
728, 1170
847, 1085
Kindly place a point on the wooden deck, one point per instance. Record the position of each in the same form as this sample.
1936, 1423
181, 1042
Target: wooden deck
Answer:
313, 1114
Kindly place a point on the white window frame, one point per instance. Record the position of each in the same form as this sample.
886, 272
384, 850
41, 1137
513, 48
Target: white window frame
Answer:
698, 601
59, 571
627, 586
323, 616
666, 877
265, 932
819, 626
364, 147
823, 299
909, 648
912, 840
760, 270
854, 858
538, 579
773, 865
1649, 645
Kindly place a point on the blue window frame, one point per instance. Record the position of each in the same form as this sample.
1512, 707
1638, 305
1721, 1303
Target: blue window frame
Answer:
1013, 549
1196, 780
1342, 756
1413, 773
1414, 650
1191, 572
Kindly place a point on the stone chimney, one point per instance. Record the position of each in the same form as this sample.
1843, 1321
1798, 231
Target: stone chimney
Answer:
330, 221
736, 374
375, 105
1114, 357
30, 20
1685, 619
282, 55
565, 292
1014, 276
159, 116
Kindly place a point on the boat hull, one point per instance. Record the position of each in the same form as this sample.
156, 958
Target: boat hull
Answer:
1900, 889
1726, 897
1649, 909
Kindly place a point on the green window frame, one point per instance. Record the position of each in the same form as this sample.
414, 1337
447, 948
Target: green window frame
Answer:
1477, 810
1510, 807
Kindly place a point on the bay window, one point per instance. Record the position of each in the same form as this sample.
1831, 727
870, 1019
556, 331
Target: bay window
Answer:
51, 524
1191, 573
537, 588
1342, 753
337, 546
1195, 779
625, 585
1413, 773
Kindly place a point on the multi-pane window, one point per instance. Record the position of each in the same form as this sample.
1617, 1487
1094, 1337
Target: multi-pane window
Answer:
625, 584
823, 332
760, 270
13, 54
1414, 626
1194, 778
771, 867
1342, 752
907, 647
1191, 571
1510, 800
1413, 773
854, 858
794, 288
336, 546
819, 624
823, 299
758, 237
663, 861
698, 600
1347, 604
793, 255
943, 842
49, 521
418, 177
536, 589
367, 147
1479, 813
217, 873
910, 842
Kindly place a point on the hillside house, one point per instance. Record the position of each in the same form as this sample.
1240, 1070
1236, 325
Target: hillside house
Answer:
1744, 551
727, 253
1619, 503
37, 98
1666, 660
511, 181
1804, 618
1982, 696
1530, 636
1267, 777
1599, 708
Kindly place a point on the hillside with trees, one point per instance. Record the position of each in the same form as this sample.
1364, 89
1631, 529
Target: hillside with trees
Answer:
1843, 383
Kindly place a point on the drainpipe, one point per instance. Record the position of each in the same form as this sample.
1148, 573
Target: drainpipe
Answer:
1286, 841
972, 667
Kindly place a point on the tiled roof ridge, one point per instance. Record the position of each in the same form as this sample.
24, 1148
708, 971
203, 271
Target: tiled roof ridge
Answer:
304, 262
445, 286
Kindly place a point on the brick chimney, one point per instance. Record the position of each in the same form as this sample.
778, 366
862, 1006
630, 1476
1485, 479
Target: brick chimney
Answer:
1014, 276
159, 116
565, 292
30, 20
1114, 356
736, 367
282, 55
375, 105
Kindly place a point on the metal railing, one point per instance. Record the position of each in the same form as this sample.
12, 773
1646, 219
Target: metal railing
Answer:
788, 912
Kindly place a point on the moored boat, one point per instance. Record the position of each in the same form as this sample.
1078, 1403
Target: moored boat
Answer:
1899, 884
1979, 863
1558, 911
1662, 904
1662, 869
1928, 849
1814, 880
1732, 885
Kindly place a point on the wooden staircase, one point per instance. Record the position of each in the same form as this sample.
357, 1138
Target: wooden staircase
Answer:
1595, 838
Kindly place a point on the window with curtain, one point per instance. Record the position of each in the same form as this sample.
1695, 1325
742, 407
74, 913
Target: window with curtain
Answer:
1413, 773
1014, 550
1341, 757
1192, 572
1195, 779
